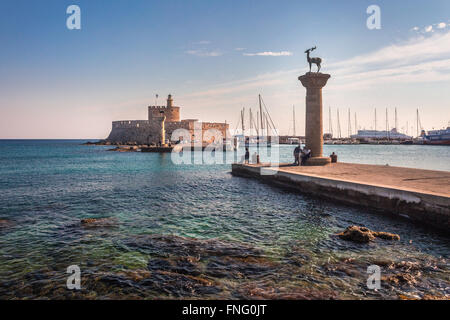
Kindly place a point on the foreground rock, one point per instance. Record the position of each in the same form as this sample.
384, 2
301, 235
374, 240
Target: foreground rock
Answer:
365, 235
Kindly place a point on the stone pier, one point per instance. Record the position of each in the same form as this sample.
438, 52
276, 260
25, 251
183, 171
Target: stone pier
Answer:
314, 82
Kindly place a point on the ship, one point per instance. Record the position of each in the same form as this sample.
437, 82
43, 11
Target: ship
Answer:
438, 137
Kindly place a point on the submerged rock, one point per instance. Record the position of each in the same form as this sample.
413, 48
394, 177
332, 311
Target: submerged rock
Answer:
402, 278
271, 292
365, 235
170, 245
98, 222
236, 268
4, 223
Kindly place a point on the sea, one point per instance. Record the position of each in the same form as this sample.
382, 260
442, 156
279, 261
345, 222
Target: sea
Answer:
167, 230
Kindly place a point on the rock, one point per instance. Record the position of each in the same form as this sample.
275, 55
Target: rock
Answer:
180, 285
98, 222
96, 143
4, 223
434, 297
365, 235
401, 278
386, 235
270, 292
357, 234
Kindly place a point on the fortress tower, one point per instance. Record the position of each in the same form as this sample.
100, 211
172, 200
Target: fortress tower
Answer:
171, 112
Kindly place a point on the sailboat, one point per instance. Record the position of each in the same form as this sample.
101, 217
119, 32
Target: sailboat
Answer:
260, 131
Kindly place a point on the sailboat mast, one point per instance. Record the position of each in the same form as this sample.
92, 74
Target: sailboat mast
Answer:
396, 122
293, 118
261, 114
242, 120
417, 124
257, 123
330, 124
339, 125
349, 129
387, 124
375, 128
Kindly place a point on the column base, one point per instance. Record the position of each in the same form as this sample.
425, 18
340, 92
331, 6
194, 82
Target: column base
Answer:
318, 161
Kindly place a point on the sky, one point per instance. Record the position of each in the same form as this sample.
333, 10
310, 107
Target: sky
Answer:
215, 57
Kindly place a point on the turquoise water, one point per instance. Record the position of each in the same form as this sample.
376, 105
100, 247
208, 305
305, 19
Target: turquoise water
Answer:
194, 231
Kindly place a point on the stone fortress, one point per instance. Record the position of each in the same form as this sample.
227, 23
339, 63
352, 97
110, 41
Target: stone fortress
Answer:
162, 122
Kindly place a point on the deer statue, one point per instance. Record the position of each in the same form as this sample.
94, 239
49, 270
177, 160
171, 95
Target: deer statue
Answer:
316, 61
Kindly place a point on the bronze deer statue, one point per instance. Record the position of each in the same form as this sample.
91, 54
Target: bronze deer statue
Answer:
316, 61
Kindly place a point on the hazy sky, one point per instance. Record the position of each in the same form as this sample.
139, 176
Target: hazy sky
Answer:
215, 57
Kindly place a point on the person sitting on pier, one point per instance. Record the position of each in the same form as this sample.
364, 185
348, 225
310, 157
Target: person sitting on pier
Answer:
297, 151
306, 153
247, 155
255, 158
333, 157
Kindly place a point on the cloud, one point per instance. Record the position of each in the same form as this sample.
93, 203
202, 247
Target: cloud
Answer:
202, 42
441, 25
413, 51
204, 53
239, 49
420, 59
428, 29
269, 54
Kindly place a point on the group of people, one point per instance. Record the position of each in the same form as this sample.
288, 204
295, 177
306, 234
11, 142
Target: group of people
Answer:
301, 155
255, 157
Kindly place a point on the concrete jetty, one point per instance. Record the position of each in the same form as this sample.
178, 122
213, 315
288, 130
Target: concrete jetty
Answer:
423, 196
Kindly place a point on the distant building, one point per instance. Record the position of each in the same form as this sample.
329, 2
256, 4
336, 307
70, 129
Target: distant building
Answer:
149, 131
375, 134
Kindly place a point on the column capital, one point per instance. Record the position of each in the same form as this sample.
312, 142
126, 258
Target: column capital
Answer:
314, 80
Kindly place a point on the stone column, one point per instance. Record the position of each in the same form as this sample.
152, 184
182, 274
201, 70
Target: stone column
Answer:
314, 82
163, 131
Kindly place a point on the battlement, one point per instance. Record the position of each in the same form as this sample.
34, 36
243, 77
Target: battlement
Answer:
162, 107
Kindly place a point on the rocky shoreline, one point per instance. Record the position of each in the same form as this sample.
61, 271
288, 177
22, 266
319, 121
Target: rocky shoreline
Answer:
119, 147
176, 267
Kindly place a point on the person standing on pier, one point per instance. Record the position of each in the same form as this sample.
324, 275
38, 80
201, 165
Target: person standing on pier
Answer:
247, 155
297, 151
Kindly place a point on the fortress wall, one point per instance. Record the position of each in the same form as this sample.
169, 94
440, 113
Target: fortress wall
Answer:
130, 124
141, 135
172, 126
221, 127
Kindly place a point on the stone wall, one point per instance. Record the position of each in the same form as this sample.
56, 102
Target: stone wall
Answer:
142, 134
147, 132
221, 127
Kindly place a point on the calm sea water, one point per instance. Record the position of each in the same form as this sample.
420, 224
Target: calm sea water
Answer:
194, 231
